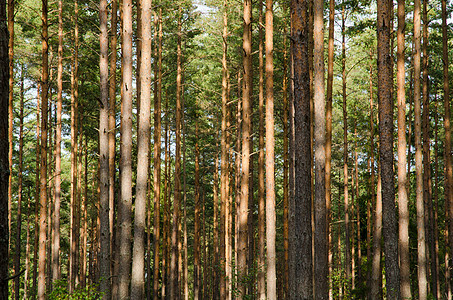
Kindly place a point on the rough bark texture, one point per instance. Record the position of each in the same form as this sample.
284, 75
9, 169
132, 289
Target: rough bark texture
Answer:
196, 238
125, 206
10, 62
138, 259
402, 174
4, 145
421, 245
321, 266
448, 190
246, 149
300, 247
271, 275
104, 155
389, 216
43, 150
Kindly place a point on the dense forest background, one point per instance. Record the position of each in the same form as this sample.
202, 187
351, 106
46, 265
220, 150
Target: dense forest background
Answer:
227, 149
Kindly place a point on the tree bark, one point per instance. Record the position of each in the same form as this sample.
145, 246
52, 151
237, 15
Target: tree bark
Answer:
126, 152
157, 151
421, 245
448, 190
196, 239
246, 148
138, 260
321, 267
403, 200
10, 44
300, 247
174, 270
4, 150
271, 275
43, 165
261, 189
329, 137
385, 83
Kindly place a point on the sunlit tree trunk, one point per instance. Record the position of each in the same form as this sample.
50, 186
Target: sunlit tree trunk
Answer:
84, 213
138, 262
104, 155
246, 148
436, 292
125, 205
402, 175
300, 231
421, 245
43, 157
376, 272
321, 266
271, 275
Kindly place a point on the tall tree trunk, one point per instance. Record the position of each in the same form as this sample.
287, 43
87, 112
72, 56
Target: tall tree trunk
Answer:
285, 162
224, 180
196, 239
271, 274
10, 38
402, 175
329, 137
261, 192
372, 200
237, 180
448, 190
138, 262
104, 155
19, 191
157, 145
56, 273
43, 165
186, 258
385, 83
321, 267
37, 193
4, 150
345, 153
174, 270
427, 184
126, 159
246, 148
300, 247
112, 129
84, 213
421, 261
376, 272
436, 292
27, 253
359, 239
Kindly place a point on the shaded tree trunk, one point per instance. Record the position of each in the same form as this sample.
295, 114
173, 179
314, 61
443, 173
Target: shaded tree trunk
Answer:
157, 146
300, 231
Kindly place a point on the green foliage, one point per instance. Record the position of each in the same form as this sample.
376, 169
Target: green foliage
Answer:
60, 292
